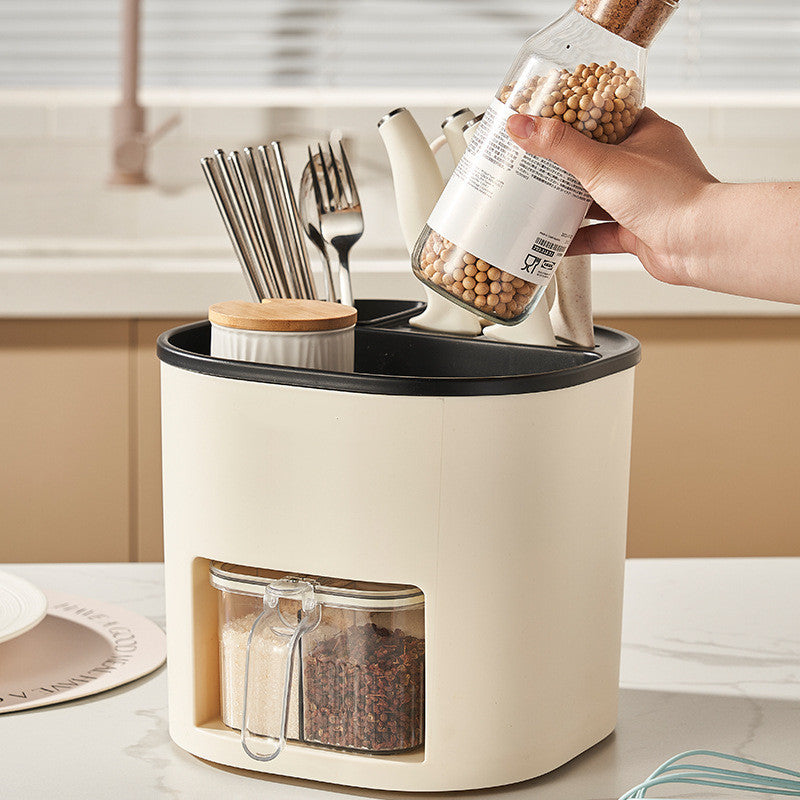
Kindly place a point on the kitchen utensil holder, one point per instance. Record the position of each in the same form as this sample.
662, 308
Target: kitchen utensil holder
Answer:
492, 476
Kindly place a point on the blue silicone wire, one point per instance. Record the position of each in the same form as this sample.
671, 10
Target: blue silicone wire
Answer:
735, 775
671, 772
724, 756
696, 780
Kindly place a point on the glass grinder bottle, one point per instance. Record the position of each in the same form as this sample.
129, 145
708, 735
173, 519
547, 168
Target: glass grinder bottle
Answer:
506, 217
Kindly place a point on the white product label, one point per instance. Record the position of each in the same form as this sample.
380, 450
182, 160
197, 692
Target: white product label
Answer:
514, 210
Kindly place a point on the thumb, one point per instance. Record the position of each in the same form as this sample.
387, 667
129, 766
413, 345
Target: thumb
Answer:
585, 158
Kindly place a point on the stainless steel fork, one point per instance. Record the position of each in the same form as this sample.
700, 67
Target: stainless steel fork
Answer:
340, 218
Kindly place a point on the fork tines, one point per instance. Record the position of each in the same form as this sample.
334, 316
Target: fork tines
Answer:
344, 183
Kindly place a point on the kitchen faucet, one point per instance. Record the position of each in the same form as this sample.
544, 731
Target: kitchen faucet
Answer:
130, 142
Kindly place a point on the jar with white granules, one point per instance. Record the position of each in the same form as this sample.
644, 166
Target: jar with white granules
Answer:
506, 217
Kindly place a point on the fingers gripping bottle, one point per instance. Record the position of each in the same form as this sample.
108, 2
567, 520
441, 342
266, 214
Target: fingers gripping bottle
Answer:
506, 217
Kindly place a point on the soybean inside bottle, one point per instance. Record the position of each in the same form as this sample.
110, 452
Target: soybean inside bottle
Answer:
506, 217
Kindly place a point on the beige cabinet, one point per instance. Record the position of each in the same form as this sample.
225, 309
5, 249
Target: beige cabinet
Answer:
66, 491
714, 467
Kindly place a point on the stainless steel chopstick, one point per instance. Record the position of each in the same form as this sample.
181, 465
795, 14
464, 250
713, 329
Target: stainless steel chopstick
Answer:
275, 198
293, 223
255, 198
228, 218
268, 223
251, 221
238, 216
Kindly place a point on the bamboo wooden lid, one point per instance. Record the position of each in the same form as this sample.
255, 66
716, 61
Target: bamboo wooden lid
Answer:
278, 314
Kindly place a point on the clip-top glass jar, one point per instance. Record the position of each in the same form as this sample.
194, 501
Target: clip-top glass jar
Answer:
506, 217
328, 662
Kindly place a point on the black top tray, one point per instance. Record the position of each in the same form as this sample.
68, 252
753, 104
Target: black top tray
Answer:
393, 358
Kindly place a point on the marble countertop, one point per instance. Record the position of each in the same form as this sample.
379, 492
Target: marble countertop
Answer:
710, 659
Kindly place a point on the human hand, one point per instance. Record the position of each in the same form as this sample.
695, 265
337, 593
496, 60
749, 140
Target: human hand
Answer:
648, 188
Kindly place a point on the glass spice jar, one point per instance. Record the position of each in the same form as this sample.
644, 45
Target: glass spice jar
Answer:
505, 218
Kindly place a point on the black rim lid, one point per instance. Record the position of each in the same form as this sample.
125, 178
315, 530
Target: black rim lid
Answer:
384, 354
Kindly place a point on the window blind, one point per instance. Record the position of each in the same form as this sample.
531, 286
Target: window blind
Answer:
372, 43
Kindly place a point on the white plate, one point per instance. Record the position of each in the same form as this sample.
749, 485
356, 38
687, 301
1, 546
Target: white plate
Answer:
22, 606
82, 647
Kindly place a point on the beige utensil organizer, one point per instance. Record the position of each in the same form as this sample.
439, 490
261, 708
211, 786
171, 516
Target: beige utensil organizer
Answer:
487, 480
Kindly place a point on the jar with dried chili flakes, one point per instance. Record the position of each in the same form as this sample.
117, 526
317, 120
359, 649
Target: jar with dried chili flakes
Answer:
506, 217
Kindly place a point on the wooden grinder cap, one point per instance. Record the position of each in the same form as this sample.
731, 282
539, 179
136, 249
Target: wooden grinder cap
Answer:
277, 314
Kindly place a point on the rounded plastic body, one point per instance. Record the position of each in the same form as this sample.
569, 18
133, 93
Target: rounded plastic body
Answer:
506, 218
520, 562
